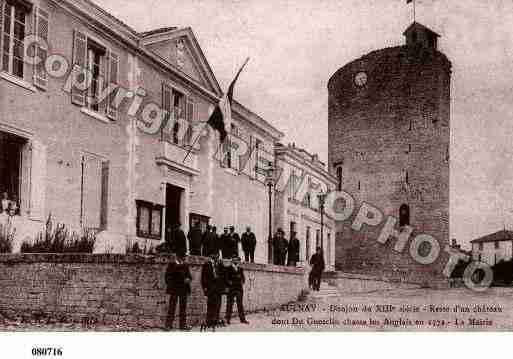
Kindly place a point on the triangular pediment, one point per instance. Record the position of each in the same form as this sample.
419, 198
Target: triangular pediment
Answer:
181, 50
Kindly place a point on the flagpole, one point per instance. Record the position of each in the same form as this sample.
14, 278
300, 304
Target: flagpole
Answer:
414, 14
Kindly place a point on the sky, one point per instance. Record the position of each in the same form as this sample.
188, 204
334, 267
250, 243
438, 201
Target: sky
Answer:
295, 47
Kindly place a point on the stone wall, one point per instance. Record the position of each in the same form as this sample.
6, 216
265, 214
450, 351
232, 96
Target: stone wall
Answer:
127, 290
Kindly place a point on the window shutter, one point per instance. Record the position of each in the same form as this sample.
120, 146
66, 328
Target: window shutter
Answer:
38, 181
2, 3
91, 191
250, 163
42, 22
189, 134
166, 105
78, 97
190, 110
113, 61
104, 205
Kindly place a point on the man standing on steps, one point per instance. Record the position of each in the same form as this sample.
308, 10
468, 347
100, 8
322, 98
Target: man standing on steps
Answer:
317, 263
178, 280
235, 279
248, 245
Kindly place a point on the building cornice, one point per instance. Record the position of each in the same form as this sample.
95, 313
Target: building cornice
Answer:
286, 154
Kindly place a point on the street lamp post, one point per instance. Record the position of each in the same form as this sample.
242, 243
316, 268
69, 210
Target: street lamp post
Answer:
269, 181
322, 198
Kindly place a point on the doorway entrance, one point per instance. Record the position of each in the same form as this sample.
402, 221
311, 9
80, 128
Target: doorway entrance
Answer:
173, 206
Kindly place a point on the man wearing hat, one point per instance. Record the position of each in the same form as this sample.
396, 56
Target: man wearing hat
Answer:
212, 282
317, 263
248, 242
234, 243
280, 247
225, 241
178, 280
235, 279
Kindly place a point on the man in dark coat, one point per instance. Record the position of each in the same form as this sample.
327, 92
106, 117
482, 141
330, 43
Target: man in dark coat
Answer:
234, 243
280, 244
178, 280
178, 240
236, 279
213, 281
293, 250
248, 242
194, 237
225, 243
317, 263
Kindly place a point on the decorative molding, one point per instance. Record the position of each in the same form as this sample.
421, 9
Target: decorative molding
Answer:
17, 81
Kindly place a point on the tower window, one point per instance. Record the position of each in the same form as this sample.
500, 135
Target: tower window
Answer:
406, 178
359, 185
339, 178
404, 215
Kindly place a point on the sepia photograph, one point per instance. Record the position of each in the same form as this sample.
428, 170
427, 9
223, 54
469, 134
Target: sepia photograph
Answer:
255, 166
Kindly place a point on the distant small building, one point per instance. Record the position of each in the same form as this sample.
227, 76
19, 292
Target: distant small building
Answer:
493, 248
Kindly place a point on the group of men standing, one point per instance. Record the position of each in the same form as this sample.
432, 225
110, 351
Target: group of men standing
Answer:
208, 242
218, 278
283, 247
222, 274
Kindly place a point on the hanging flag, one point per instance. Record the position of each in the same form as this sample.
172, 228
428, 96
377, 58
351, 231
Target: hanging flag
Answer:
221, 118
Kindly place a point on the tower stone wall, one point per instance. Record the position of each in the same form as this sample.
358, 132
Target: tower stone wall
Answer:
389, 132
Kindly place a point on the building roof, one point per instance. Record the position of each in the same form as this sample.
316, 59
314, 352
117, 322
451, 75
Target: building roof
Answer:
417, 26
499, 236
157, 31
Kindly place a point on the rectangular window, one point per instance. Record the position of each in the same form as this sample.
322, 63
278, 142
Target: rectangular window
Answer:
258, 147
480, 246
496, 245
11, 147
198, 218
96, 61
103, 69
179, 104
13, 32
149, 220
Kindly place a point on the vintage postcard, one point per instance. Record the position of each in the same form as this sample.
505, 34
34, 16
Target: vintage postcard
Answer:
259, 165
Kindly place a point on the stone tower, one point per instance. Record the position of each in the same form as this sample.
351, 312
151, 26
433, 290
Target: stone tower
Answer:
389, 126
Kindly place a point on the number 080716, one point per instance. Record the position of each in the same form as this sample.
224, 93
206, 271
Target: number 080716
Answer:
46, 351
